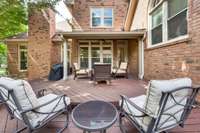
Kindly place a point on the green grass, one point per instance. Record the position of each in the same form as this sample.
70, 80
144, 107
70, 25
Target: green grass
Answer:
2, 71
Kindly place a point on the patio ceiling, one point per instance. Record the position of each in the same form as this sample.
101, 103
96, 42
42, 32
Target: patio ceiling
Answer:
103, 35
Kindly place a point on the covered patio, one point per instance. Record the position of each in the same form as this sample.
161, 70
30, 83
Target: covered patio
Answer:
87, 48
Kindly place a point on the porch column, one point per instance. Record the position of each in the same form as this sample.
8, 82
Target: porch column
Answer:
141, 58
65, 60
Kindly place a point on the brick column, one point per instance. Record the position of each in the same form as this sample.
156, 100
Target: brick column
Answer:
41, 29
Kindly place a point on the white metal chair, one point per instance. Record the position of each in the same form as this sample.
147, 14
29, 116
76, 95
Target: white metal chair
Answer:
121, 71
165, 106
22, 104
78, 71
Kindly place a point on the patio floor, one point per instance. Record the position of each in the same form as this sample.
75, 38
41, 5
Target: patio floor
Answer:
82, 90
9, 126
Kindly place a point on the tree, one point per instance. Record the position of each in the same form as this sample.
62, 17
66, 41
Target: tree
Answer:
13, 18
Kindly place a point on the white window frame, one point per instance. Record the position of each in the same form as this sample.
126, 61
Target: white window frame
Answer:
101, 17
89, 46
19, 57
165, 40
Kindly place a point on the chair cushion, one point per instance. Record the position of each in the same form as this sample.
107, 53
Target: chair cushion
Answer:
82, 71
123, 65
23, 93
56, 105
154, 92
139, 101
76, 66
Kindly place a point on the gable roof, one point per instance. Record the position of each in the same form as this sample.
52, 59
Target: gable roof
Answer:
19, 37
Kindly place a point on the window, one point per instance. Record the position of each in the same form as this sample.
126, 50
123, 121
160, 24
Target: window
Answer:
101, 17
22, 57
91, 52
168, 20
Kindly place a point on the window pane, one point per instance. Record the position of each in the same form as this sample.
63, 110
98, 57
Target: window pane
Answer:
107, 21
107, 55
84, 62
96, 21
108, 12
157, 35
95, 60
84, 57
177, 26
157, 17
84, 52
175, 6
96, 12
23, 57
95, 52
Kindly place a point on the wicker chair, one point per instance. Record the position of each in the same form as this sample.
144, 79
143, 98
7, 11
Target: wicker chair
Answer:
166, 105
22, 104
121, 71
102, 72
78, 71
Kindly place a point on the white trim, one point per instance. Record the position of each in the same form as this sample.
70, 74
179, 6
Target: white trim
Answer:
19, 59
170, 41
102, 17
141, 59
165, 25
65, 62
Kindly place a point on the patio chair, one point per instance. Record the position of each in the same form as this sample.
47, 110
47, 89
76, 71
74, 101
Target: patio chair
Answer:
22, 104
165, 106
78, 71
121, 71
102, 72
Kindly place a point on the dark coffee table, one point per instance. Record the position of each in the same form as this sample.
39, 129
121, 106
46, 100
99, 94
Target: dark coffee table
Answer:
94, 116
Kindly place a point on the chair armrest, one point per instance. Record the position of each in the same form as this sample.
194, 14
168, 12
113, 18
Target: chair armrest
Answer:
44, 104
126, 99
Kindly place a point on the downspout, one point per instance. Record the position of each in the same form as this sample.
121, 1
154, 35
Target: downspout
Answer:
141, 57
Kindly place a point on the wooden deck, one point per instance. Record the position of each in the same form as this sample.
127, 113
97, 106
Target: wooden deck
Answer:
9, 126
82, 90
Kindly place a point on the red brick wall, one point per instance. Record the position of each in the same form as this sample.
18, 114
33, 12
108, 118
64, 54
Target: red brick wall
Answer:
81, 13
133, 57
180, 59
13, 63
41, 29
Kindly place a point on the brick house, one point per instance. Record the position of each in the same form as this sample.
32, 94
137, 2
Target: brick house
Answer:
158, 38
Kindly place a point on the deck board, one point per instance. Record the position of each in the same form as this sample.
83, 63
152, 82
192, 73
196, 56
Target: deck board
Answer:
82, 90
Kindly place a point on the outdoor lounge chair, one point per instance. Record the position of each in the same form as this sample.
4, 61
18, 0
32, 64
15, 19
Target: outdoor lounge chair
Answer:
165, 106
78, 71
102, 72
22, 104
121, 71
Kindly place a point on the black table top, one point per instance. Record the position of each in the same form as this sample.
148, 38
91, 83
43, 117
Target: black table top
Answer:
94, 115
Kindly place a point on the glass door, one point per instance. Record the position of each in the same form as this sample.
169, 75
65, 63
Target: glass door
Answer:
95, 55
95, 51
122, 51
84, 56
107, 55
